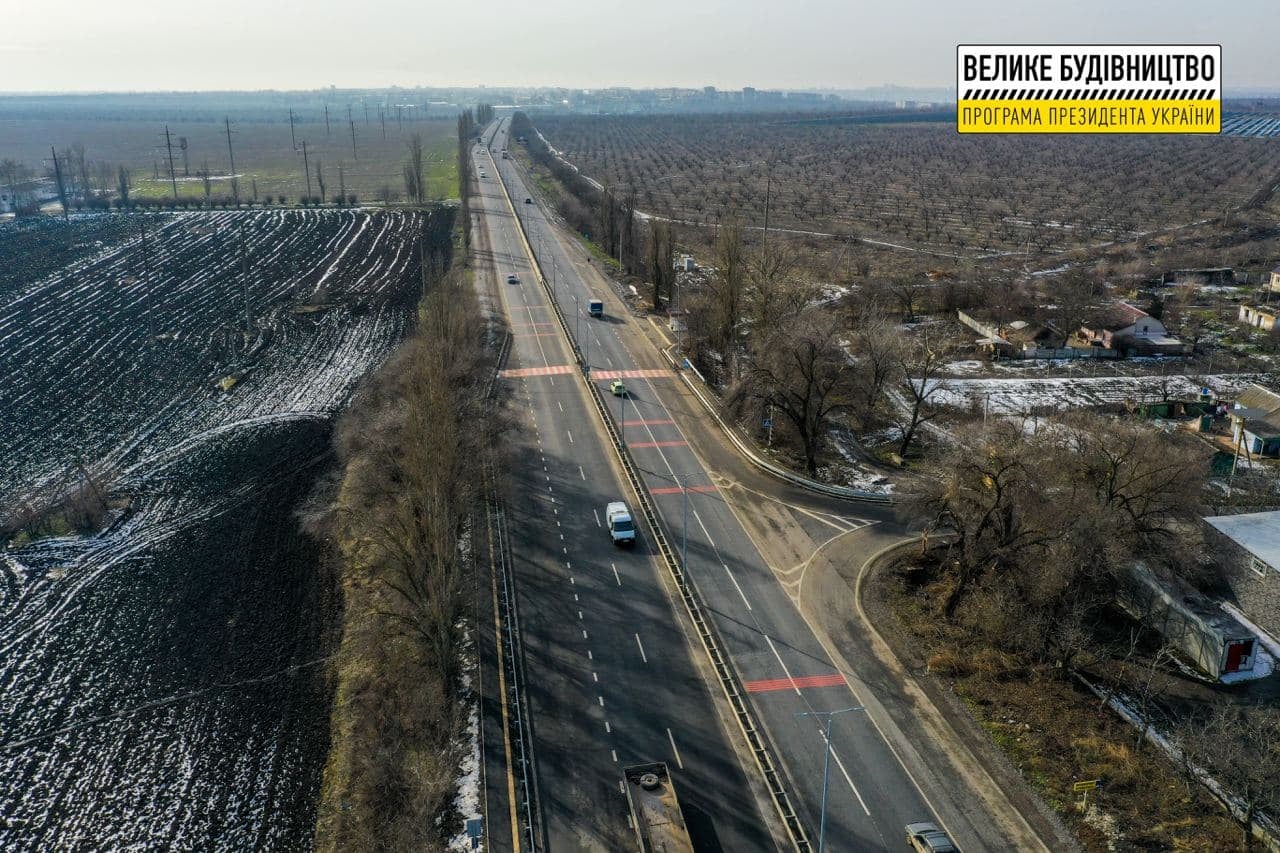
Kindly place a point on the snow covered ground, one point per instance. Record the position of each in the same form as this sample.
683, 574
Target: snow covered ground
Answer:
1018, 396
160, 680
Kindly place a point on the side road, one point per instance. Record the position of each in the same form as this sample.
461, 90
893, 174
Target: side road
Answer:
817, 546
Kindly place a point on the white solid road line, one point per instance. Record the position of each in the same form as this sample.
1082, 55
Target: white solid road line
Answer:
705, 532
570, 436
781, 663
643, 656
581, 474
615, 574
845, 773
596, 513
728, 572
675, 749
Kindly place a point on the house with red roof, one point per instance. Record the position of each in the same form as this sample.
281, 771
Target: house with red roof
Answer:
1129, 330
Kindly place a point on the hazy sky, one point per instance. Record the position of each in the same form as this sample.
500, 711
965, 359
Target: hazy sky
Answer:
99, 45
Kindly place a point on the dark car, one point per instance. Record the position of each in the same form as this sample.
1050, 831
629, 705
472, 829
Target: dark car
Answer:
528, 200
927, 838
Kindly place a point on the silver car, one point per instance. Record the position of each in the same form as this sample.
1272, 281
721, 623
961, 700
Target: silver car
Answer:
927, 838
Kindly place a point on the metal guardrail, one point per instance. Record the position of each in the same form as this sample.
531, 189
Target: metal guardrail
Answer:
517, 702
756, 737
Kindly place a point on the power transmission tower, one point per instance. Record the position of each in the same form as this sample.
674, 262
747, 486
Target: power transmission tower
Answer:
235, 181
350, 121
173, 177
293, 136
306, 167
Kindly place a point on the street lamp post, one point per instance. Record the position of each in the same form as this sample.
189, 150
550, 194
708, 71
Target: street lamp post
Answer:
826, 766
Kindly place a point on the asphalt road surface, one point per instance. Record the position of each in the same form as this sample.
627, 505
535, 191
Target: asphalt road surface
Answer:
784, 668
611, 677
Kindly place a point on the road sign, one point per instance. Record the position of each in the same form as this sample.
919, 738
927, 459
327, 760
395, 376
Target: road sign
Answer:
1081, 787
768, 423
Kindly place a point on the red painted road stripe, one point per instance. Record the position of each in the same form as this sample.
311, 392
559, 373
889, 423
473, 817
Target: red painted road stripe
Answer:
657, 444
769, 685
675, 490
552, 370
528, 325
630, 374
535, 335
647, 423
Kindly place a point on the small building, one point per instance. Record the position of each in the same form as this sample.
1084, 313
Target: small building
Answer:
1017, 338
1130, 331
1204, 275
1258, 316
1255, 421
1213, 640
1248, 547
1273, 283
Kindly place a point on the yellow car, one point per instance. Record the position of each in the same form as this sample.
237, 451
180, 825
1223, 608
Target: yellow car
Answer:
618, 388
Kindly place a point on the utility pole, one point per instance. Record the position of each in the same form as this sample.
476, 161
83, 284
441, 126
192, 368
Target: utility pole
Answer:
173, 178
306, 167
382, 117
342, 188
62, 190
351, 121
326, 121
235, 181
292, 135
183, 145
826, 766
366, 110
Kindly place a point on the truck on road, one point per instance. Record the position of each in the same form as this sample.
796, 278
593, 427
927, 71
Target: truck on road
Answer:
595, 307
655, 810
622, 528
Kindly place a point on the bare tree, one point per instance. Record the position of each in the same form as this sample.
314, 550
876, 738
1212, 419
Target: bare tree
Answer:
661, 269
907, 289
1239, 746
123, 185
877, 345
801, 370
414, 181
919, 363
726, 288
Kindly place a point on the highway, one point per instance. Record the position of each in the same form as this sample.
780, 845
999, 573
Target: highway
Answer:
611, 677
783, 667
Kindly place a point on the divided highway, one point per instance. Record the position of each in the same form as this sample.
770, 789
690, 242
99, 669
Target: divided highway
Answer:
781, 664
611, 680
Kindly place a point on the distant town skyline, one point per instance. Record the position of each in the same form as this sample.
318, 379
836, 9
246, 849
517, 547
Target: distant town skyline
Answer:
143, 45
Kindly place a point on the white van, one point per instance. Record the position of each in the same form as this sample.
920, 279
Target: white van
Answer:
622, 529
